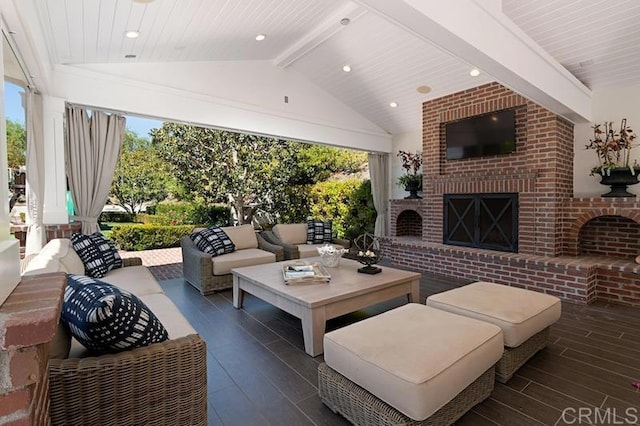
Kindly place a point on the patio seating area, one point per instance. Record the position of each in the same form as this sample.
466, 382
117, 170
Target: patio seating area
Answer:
258, 372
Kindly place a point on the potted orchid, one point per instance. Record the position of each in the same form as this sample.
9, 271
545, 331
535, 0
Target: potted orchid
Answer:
411, 181
613, 150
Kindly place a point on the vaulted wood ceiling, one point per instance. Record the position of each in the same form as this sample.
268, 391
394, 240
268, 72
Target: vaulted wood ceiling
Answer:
596, 40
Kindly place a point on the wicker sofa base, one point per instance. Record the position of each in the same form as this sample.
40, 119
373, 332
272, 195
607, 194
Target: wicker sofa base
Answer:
361, 407
160, 384
210, 284
514, 358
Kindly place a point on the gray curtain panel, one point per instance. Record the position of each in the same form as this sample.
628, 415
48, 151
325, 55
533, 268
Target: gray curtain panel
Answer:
93, 147
379, 171
36, 233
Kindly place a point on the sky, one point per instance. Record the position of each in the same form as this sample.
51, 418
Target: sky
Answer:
14, 112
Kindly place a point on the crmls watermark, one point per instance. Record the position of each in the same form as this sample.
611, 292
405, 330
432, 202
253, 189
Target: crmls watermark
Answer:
600, 416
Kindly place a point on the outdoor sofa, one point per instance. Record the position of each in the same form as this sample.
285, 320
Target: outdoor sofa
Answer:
163, 383
210, 273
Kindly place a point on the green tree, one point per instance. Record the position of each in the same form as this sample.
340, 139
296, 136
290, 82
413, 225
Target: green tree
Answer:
330, 201
247, 171
140, 175
16, 144
317, 163
314, 164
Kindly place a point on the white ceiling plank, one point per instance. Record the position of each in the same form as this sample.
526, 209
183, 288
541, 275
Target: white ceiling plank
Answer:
322, 32
106, 13
55, 20
495, 45
90, 29
119, 45
73, 22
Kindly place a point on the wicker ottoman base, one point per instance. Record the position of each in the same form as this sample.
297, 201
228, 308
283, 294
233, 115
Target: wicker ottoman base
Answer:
361, 407
514, 358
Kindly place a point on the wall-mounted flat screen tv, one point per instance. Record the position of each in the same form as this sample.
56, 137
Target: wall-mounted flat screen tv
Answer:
482, 135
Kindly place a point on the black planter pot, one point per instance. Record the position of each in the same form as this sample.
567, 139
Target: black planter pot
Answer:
412, 187
618, 179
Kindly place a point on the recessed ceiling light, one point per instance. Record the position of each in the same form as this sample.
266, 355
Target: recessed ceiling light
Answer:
423, 89
393, 104
130, 56
260, 37
474, 72
131, 34
346, 68
345, 21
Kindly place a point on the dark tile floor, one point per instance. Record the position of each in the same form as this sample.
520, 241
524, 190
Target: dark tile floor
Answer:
259, 374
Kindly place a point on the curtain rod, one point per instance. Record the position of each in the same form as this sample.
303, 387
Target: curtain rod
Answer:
11, 42
95, 108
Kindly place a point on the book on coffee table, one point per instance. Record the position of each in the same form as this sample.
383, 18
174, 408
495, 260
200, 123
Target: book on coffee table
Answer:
301, 272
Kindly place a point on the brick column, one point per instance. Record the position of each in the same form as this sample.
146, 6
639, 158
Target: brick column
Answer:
28, 321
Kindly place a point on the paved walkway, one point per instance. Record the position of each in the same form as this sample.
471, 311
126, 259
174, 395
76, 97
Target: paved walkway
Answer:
164, 264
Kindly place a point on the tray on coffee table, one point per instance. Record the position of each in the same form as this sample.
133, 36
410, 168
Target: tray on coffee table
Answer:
302, 272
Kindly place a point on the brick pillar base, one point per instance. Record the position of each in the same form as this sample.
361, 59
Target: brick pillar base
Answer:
28, 321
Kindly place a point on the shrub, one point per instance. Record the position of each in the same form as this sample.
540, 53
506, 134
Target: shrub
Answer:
145, 237
116, 217
292, 206
182, 213
214, 214
361, 216
330, 201
150, 219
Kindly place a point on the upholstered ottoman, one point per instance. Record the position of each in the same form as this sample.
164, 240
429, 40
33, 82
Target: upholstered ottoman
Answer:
523, 315
412, 365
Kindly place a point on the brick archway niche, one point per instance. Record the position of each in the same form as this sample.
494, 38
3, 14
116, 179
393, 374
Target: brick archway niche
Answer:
560, 238
406, 218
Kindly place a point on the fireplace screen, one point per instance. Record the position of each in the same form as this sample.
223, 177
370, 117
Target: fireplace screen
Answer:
488, 221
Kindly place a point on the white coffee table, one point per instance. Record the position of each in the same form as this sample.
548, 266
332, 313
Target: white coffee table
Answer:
314, 304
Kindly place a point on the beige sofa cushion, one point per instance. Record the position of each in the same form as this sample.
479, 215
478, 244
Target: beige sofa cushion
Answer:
56, 256
168, 314
519, 313
61, 343
311, 250
291, 233
223, 264
243, 236
415, 358
134, 279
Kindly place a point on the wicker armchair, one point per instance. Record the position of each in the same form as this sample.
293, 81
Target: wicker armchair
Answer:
161, 384
292, 250
197, 266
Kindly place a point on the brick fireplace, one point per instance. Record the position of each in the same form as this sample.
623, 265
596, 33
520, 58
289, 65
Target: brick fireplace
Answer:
578, 249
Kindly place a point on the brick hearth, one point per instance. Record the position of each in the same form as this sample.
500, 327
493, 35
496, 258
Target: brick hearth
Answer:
579, 249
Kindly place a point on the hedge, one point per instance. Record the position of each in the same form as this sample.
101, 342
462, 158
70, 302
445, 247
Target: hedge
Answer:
146, 237
116, 216
182, 213
152, 219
